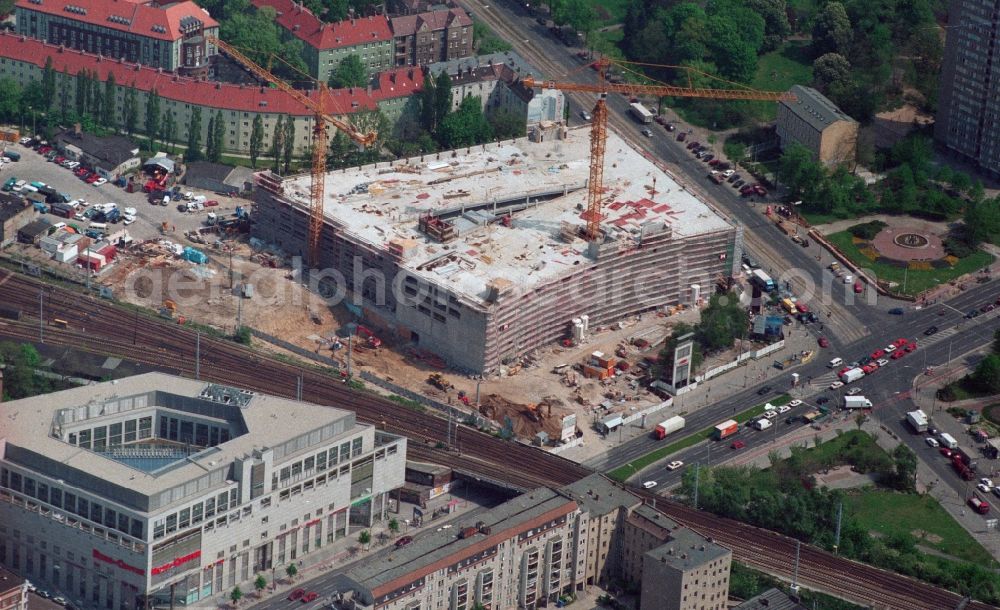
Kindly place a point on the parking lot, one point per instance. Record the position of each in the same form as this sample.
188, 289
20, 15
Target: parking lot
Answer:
149, 219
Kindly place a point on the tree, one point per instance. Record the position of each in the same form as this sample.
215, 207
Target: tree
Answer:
582, 17
48, 81
442, 97
776, 26
507, 125
987, 374
260, 583
210, 140
427, 104
291, 571
394, 523
218, 137
349, 73
831, 70
64, 86
10, 99
832, 30
256, 140
235, 596
733, 51
82, 83
799, 172
860, 419
193, 152
152, 116
466, 126
289, 142
364, 538
904, 468
277, 145
168, 130
131, 110
110, 95
96, 102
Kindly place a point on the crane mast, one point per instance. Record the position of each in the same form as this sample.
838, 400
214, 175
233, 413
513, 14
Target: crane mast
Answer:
320, 137
599, 123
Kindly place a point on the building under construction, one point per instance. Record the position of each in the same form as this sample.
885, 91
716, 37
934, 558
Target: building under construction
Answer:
479, 255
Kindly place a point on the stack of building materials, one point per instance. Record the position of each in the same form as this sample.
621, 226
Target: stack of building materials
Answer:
599, 366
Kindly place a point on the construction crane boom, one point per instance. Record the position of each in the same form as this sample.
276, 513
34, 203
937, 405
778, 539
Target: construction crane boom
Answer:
599, 123
317, 104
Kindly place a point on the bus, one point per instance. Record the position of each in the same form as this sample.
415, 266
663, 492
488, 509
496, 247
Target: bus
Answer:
789, 306
762, 280
640, 113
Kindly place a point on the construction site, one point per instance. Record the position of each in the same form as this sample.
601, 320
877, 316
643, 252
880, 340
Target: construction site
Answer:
482, 255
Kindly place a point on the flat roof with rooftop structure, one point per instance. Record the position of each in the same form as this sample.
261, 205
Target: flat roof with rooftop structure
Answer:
597, 495
686, 550
447, 546
466, 194
39, 432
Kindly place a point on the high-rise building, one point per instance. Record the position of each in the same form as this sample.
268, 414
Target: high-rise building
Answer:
967, 122
156, 486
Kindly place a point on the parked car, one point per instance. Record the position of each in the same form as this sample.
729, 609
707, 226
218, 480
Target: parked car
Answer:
824, 342
682, 136
296, 594
896, 311
100, 181
403, 541
764, 390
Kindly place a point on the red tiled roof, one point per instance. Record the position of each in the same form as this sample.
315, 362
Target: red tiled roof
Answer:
306, 26
137, 17
435, 20
396, 83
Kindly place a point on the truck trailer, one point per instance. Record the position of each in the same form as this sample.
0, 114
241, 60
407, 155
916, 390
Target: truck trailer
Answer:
948, 440
762, 280
641, 113
668, 426
917, 420
852, 375
725, 429
857, 402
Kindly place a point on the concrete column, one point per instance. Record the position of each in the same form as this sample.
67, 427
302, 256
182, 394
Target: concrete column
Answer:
103, 592
115, 591
88, 577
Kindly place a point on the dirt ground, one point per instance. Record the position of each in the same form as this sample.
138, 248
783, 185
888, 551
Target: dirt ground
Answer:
281, 306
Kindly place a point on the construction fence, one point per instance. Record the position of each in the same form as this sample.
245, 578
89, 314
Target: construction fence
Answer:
754, 355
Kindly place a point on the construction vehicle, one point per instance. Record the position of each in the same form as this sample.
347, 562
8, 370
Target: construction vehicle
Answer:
318, 104
370, 337
169, 309
599, 118
438, 381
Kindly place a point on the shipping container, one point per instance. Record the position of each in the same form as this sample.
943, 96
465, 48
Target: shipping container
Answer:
725, 429
668, 426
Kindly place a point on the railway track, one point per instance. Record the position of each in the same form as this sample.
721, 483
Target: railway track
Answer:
103, 328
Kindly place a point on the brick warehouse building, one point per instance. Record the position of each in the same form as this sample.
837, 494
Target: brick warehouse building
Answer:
168, 35
154, 484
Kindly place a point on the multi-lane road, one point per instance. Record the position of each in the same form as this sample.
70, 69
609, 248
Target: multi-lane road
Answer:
888, 388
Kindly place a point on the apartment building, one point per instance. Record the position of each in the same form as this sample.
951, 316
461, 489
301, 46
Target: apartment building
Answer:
161, 34
325, 45
968, 118
23, 60
539, 547
13, 591
496, 80
816, 123
164, 489
427, 38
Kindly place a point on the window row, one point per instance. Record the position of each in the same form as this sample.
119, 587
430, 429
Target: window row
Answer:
100, 438
193, 515
317, 463
71, 503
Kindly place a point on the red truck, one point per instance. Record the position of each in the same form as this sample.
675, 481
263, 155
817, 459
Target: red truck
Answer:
980, 506
664, 428
963, 471
725, 429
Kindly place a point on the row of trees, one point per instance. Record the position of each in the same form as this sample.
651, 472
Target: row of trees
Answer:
20, 380
786, 499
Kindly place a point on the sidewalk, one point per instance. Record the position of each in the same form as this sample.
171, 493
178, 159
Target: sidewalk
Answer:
927, 480
340, 554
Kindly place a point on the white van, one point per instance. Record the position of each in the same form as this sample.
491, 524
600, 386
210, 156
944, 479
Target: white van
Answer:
200, 199
99, 226
835, 363
27, 188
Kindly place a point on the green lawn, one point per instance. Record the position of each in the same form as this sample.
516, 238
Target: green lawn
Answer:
623, 473
609, 11
892, 513
606, 43
917, 281
778, 71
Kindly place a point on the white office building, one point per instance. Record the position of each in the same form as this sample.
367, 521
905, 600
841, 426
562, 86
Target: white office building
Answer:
118, 494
